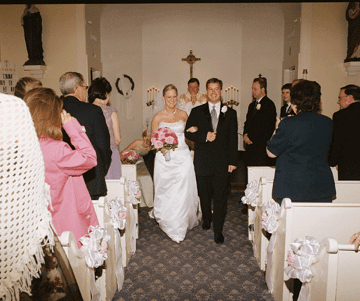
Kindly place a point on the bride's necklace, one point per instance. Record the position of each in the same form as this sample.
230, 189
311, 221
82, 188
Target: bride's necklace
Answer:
170, 113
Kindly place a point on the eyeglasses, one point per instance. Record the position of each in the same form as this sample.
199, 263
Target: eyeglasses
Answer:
86, 87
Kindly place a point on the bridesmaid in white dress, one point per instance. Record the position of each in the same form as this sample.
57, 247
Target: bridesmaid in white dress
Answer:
176, 202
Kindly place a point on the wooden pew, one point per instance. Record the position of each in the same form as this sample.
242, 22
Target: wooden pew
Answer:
77, 261
267, 172
254, 174
107, 282
336, 273
128, 171
319, 220
117, 188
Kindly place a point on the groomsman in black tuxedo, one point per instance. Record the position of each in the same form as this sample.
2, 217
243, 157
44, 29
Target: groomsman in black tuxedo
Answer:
286, 109
216, 145
259, 125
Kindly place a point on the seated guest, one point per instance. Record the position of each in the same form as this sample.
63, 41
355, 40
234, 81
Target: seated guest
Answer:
301, 144
192, 98
32, 258
344, 150
25, 84
99, 94
141, 146
286, 109
74, 89
72, 206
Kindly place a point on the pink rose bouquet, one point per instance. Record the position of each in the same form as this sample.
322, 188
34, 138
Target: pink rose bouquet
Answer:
164, 138
130, 157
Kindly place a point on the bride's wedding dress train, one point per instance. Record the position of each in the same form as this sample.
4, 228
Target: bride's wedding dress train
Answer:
176, 202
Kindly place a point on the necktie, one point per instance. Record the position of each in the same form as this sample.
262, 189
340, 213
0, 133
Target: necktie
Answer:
214, 119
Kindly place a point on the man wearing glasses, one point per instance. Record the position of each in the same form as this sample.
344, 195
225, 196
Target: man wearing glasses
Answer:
345, 146
74, 89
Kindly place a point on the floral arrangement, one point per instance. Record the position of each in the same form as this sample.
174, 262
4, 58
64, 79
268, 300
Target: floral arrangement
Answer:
251, 194
269, 216
130, 157
304, 252
118, 213
258, 106
134, 192
164, 138
96, 244
224, 109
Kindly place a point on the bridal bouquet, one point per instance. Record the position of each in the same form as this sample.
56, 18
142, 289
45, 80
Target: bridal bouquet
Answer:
130, 157
164, 138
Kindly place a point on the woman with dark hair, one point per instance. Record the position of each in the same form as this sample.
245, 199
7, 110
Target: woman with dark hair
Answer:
71, 202
301, 144
99, 94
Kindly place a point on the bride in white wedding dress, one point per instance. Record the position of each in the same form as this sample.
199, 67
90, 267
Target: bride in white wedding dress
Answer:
176, 202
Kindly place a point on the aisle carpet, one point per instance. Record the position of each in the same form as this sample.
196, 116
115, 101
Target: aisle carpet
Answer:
197, 268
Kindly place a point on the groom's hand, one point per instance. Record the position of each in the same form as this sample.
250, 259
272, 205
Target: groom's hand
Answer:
211, 136
231, 168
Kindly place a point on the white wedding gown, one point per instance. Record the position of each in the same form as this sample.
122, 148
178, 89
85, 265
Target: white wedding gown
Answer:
176, 202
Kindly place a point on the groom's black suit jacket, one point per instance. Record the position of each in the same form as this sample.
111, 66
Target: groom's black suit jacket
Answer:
213, 157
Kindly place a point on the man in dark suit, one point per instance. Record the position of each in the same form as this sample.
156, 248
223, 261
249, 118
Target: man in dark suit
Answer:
259, 125
286, 109
73, 87
345, 146
216, 145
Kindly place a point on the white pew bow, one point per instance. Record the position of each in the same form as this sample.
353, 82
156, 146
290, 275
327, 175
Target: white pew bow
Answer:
251, 194
134, 192
118, 220
118, 213
304, 254
95, 244
270, 216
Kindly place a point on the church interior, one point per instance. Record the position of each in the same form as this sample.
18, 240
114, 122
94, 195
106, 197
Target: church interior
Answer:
140, 48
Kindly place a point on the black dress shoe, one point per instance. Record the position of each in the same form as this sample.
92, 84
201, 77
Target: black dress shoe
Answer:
206, 225
218, 238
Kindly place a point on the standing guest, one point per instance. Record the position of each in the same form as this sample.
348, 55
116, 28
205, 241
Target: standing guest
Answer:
301, 144
74, 89
345, 146
216, 145
192, 98
72, 207
25, 84
259, 125
99, 94
176, 201
286, 109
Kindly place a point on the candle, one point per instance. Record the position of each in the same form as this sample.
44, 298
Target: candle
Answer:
147, 95
237, 96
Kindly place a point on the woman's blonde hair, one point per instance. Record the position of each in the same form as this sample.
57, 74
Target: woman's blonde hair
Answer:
25, 84
168, 88
45, 108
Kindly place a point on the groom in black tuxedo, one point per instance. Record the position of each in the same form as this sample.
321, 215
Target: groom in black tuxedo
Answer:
216, 145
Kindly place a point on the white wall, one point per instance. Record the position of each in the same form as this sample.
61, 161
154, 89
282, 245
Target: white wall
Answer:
63, 40
235, 42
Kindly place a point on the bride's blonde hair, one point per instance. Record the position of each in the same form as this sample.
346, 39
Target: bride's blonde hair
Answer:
169, 87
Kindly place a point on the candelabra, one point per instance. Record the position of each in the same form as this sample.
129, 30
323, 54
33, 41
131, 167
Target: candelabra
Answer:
231, 96
151, 94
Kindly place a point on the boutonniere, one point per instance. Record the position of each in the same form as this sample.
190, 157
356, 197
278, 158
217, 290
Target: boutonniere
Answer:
258, 106
224, 109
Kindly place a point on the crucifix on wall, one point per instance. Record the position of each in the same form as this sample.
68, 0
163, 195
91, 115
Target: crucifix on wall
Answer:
191, 59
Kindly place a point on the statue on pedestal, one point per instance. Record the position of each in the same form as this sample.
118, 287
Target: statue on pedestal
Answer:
32, 23
353, 17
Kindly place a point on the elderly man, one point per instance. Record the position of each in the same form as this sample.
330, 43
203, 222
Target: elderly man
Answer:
192, 98
345, 146
74, 89
259, 125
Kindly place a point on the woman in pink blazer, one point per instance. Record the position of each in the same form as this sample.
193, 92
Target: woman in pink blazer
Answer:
72, 208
